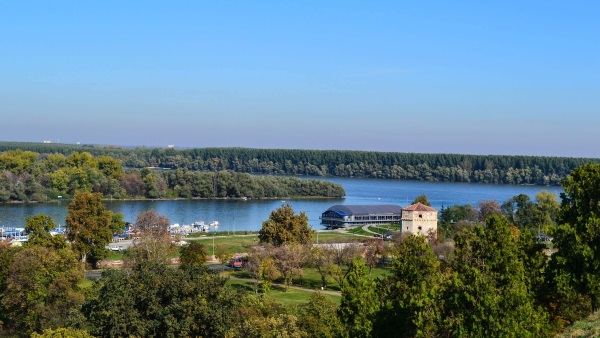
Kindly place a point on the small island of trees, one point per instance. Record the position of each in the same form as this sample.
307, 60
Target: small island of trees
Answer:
26, 176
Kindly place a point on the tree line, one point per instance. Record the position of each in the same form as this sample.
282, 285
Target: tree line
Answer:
27, 176
496, 169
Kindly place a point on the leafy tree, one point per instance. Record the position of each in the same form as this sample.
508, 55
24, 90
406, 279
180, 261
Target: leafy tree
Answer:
549, 207
110, 167
88, 226
154, 300
38, 228
411, 295
289, 260
486, 294
323, 260
62, 333
261, 267
575, 265
223, 254
81, 160
117, 224
318, 318
422, 199
375, 252
193, 255
285, 227
359, 301
42, 289
261, 317
522, 212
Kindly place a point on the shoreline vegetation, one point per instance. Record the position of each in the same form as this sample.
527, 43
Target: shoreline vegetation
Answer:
36, 172
27, 176
495, 169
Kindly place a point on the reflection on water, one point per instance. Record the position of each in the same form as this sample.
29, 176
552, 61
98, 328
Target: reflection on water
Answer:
236, 215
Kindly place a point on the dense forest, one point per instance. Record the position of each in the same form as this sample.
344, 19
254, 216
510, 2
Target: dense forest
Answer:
27, 176
497, 169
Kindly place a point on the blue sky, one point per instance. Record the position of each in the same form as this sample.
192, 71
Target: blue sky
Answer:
477, 77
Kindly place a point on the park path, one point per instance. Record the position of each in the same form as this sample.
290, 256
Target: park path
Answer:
366, 228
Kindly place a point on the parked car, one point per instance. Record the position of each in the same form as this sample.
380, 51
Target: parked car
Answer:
388, 236
236, 263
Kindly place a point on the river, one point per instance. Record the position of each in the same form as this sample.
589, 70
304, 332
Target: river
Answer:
236, 215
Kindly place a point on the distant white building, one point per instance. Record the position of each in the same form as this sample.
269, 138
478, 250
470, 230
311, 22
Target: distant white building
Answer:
171, 146
47, 141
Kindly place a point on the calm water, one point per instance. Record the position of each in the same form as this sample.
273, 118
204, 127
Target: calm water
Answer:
249, 215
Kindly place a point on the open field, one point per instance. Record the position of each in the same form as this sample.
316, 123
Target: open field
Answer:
243, 243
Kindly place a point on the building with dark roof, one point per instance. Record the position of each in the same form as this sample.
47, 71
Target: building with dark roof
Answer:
343, 216
417, 218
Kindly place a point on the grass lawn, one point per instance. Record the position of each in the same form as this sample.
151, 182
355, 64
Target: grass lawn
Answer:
359, 231
278, 293
311, 279
114, 256
336, 237
231, 243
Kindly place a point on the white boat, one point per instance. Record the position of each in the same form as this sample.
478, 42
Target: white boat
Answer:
200, 225
214, 224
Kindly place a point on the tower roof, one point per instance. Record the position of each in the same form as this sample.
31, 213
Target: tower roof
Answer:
419, 207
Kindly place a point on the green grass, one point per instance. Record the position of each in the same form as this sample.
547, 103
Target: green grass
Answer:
279, 294
239, 244
359, 231
311, 279
336, 237
585, 328
114, 256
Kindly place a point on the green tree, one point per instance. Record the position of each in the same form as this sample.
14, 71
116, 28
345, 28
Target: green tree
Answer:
285, 227
411, 295
486, 294
110, 167
88, 226
261, 317
193, 255
575, 268
62, 333
42, 289
549, 207
318, 318
223, 254
154, 300
422, 199
38, 228
359, 302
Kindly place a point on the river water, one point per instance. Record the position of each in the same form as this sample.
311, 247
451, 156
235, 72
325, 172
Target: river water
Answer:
236, 215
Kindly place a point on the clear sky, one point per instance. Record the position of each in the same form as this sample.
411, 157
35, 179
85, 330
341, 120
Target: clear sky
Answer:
477, 77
